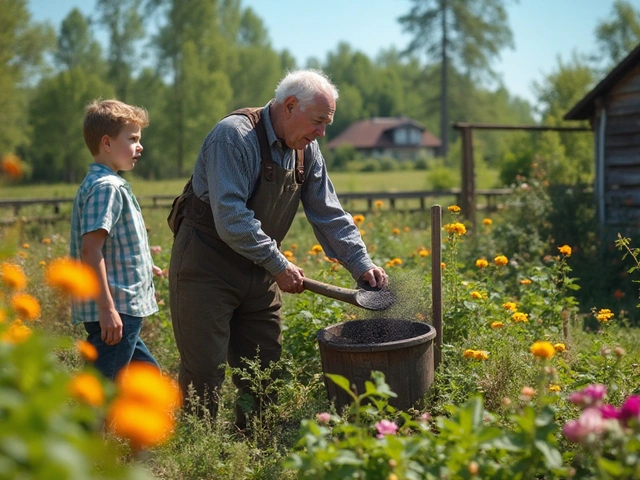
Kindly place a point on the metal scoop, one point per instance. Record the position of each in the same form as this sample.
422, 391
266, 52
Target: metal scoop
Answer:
371, 299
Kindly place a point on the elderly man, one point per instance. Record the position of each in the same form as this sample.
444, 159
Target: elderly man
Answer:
227, 272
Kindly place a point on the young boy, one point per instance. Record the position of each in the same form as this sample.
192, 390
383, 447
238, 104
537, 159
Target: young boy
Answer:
108, 233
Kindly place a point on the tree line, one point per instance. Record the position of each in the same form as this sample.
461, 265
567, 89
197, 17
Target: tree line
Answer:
209, 57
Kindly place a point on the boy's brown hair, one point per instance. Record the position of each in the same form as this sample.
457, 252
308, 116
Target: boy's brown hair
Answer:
108, 117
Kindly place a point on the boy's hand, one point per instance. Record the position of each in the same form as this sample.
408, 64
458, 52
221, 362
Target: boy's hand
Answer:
110, 325
157, 271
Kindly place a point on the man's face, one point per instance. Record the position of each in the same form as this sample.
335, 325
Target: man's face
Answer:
302, 127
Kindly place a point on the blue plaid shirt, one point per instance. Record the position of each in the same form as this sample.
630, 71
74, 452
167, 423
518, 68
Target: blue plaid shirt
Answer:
105, 201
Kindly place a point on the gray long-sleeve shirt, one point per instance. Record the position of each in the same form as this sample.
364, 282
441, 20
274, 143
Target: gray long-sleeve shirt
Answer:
226, 174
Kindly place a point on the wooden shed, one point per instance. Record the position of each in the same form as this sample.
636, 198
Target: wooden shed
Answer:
613, 109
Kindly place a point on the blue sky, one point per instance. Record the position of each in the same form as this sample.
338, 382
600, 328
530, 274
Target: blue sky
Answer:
544, 30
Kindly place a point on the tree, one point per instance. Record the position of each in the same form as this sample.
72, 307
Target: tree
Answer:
122, 20
467, 33
621, 34
22, 45
76, 45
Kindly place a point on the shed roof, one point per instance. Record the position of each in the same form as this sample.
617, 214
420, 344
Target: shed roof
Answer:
373, 133
585, 108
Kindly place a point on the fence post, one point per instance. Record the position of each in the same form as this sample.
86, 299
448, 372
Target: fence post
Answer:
436, 282
468, 190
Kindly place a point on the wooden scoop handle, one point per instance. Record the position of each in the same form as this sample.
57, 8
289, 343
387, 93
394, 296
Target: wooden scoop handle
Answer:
331, 291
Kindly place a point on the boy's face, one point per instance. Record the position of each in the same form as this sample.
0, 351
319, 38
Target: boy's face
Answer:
122, 152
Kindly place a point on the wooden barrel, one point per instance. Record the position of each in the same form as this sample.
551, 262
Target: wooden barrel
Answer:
401, 349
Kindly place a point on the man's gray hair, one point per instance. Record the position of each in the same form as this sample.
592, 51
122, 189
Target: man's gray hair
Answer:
305, 85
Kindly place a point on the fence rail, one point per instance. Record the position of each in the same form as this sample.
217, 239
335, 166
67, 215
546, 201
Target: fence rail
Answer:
351, 202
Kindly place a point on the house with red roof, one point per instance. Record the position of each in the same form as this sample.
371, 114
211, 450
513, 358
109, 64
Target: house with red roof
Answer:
401, 138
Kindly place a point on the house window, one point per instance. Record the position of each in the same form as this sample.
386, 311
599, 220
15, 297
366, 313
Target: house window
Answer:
401, 136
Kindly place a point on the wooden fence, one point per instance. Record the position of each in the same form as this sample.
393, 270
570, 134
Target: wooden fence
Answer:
353, 202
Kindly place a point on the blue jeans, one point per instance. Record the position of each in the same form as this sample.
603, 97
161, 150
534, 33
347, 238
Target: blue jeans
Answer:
112, 358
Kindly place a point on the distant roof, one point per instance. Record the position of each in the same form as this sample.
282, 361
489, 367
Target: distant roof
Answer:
375, 133
585, 108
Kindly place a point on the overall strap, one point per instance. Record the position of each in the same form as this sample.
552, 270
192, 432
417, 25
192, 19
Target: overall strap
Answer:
254, 114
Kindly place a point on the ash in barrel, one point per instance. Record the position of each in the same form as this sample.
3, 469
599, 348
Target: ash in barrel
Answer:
375, 331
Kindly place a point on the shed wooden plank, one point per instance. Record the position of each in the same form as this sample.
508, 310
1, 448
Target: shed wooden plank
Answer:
623, 157
624, 177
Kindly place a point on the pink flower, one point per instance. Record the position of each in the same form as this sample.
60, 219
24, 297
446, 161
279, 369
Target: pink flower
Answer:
577, 398
424, 417
155, 249
630, 408
589, 423
385, 427
323, 417
609, 411
595, 392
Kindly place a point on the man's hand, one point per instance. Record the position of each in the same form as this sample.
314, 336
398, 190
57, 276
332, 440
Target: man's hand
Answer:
110, 325
376, 277
290, 279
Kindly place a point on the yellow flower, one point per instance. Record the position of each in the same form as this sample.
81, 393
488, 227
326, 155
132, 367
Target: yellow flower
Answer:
379, 203
395, 231
26, 245
604, 315
520, 317
511, 306
487, 221
481, 263
362, 233
145, 384
12, 166
144, 427
496, 325
481, 355
13, 276
554, 388
525, 281
469, 353
393, 262
543, 349
294, 246
42, 263
443, 265
560, 347
501, 260
46, 241
454, 208
73, 278
288, 254
565, 250
87, 350
16, 333
358, 219
25, 306
86, 388
423, 252
476, 295
457, 228
406, 229
316, 248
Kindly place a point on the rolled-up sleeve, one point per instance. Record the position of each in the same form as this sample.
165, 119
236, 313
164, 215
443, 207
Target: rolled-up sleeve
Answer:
333, 227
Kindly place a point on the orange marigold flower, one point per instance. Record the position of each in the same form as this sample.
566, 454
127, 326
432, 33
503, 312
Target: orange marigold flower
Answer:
520, 317
469, 353
395, 231
476, 295
362, 233
423, 252
378, 203
454, 208
496, 325
604, 315
87, 351
443, 265
145, 384
294, 246
565, 250
510, 306
487, 221
86, 388
25, 306
457, 228
501, 260
17, 332
481, 355
26, 245
482, 263
358, 219
73, 277
542, 349
288, 254
560, 347
406, 229
46, 241
144, 427
525, 281
316, 248
12, 166
13, 276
